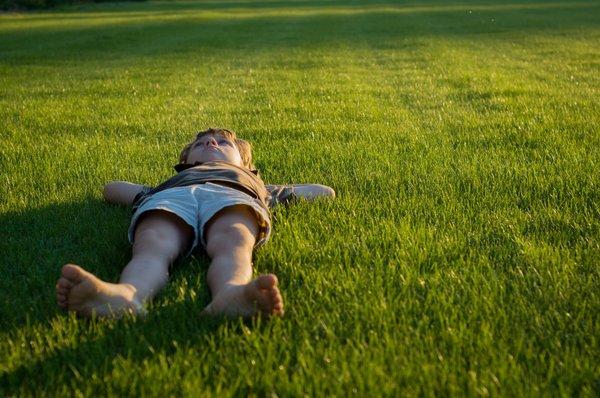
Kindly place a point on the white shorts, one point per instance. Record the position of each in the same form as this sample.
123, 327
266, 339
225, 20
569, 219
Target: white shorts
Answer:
197, 204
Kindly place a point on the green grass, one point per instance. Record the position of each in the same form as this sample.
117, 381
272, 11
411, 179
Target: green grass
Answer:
461, 256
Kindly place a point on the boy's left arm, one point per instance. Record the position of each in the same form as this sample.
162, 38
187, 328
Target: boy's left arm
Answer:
313, 191
286, 193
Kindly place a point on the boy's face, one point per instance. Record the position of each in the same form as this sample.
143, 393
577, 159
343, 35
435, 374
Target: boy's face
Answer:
214, 147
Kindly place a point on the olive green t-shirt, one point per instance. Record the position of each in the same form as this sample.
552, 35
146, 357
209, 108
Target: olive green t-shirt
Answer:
223, 173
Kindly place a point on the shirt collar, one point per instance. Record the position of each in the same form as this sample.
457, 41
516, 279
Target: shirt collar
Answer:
184, 166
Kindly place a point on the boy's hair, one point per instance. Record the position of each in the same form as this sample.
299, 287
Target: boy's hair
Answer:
243, 146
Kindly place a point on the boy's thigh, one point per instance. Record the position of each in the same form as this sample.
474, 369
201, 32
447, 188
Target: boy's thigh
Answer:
162, 220
165, 216
229, 212
232, 226
162, 231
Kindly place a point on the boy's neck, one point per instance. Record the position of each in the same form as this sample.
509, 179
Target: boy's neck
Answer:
184, 166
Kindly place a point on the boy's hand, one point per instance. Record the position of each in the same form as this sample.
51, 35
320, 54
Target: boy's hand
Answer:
121, 192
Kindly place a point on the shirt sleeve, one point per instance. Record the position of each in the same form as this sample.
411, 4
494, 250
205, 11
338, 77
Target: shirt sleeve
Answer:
140, 196
280, 194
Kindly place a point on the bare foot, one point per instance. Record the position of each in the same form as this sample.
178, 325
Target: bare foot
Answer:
259, 296
80, 291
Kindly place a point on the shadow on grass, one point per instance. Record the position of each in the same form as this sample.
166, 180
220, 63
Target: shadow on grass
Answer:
36, 243
182, 6
280, 27
168, 331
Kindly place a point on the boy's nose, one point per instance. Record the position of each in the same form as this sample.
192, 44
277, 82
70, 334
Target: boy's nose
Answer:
211, 142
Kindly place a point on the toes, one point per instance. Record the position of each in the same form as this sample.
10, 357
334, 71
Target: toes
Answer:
264, 303
277, 302
259, 297
269, 299
275, 296
72, 273
61, 300
64, 284
266, 281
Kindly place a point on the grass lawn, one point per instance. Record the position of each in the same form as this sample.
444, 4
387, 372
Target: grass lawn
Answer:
461, 256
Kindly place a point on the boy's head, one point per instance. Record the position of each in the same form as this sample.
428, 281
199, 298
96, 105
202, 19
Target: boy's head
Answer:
217, 144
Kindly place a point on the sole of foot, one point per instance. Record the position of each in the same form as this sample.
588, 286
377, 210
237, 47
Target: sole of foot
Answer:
260, 296
88, 296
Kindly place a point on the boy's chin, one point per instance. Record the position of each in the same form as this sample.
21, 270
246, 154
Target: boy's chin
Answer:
218, 159
205, 159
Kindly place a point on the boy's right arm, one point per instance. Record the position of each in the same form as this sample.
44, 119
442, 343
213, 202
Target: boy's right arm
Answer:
121, 192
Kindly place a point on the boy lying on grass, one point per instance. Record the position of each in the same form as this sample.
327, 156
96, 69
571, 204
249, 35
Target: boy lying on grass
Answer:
217, 201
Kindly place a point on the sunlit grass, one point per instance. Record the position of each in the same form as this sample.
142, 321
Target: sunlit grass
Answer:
460, 256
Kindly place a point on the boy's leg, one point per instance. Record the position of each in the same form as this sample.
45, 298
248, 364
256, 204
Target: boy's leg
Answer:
159, 238
230, 238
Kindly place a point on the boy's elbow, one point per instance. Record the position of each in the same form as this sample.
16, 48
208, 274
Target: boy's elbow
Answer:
109, 192
106, 192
